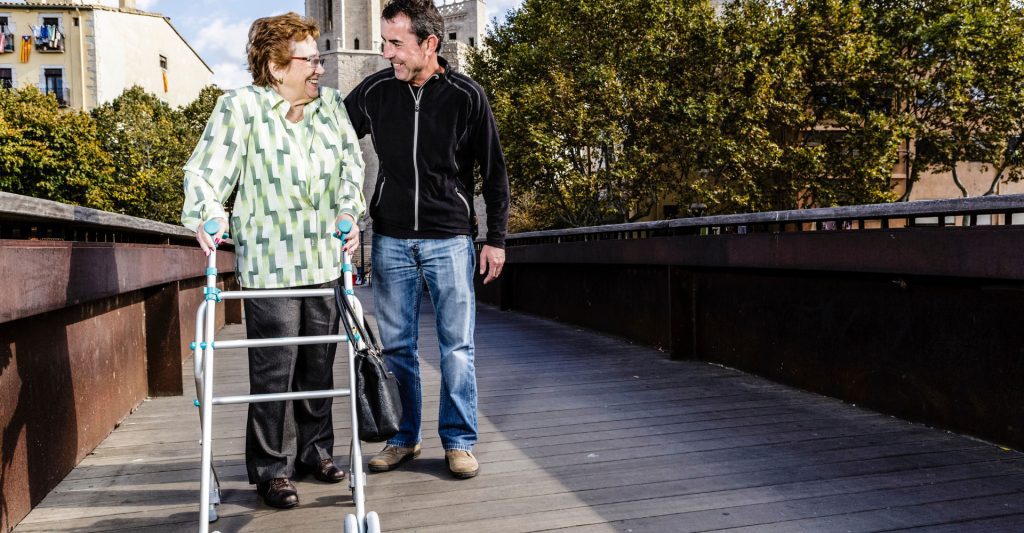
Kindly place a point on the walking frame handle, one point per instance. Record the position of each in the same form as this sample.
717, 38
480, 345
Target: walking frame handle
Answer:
344, 227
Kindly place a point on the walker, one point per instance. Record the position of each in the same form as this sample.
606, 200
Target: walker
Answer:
203, 350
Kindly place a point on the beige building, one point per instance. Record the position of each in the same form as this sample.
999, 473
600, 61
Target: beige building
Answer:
87, 54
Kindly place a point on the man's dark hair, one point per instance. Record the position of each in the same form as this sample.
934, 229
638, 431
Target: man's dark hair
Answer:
426, 19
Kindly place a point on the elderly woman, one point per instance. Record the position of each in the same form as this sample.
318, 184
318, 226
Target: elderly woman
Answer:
288, 145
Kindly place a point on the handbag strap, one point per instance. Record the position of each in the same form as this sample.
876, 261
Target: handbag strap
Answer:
345, 312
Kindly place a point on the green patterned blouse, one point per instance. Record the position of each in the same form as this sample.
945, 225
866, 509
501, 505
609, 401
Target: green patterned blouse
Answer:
293, 181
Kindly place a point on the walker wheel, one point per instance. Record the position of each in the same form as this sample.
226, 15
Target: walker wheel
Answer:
351, 524
372, 522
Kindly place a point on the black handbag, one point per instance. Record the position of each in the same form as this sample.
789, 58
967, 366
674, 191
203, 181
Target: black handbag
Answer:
378, 404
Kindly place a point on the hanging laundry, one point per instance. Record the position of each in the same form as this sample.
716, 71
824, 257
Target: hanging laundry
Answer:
3, 42
165, 80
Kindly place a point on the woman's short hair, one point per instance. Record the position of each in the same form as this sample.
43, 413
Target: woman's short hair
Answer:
270, 40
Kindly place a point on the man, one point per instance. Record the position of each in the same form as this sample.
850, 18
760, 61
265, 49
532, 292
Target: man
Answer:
430, 127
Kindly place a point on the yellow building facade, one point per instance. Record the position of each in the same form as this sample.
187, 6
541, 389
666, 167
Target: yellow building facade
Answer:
88, 54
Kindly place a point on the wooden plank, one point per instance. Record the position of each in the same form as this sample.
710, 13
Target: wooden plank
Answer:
577, 430
897, 518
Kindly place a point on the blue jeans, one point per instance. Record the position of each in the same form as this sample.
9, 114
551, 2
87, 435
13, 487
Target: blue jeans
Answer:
399, 266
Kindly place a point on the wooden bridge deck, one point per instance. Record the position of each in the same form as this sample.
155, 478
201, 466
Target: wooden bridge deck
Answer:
578, 432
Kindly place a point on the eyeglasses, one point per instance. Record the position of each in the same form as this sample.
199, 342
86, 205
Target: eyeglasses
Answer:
314, 61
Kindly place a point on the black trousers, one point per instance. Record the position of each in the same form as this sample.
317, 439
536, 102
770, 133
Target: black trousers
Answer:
280, 434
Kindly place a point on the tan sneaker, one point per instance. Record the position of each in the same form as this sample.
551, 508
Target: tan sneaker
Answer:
461, 463
391, 457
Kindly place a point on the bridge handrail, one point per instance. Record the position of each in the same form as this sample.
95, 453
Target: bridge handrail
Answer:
983, 205
25, 217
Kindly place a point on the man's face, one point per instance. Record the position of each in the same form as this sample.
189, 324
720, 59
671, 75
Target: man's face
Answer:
409, 58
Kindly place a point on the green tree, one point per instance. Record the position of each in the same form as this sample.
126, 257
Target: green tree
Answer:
148, 142
608, 106
196, 113
575, 89
955, 69
51, 153
780, 112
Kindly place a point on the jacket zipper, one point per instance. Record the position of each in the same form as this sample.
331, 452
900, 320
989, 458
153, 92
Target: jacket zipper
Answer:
416, 95
415, 164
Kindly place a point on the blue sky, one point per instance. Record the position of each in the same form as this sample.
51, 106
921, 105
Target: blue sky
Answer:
217, 29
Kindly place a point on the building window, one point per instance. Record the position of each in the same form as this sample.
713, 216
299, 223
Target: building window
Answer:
329, 15
75, 19
6, 78
163, 72
472, 42
53, 83
357, 44
7, 32
49, 36
451, 36
327, 44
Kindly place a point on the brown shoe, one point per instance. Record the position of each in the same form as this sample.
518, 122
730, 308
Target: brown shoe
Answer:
461, 463
391, 457
278, 492
328, 472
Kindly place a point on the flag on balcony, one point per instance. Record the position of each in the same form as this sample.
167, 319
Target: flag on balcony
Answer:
26, 47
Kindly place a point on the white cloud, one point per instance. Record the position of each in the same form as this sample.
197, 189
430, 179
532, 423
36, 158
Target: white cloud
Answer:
222, 44
231, 75
220, 36
498, 8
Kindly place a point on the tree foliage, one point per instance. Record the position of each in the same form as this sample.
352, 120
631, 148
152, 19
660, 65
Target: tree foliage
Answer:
607, 106
51, 153
126, 156
955, 69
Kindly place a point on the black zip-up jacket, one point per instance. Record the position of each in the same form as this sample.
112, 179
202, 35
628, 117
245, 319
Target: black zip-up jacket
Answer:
428, 140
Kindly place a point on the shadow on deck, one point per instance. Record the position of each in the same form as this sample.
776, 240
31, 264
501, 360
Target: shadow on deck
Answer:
578, 431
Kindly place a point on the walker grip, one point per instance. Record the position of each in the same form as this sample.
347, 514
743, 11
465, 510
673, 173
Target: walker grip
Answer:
344, 227
211, 226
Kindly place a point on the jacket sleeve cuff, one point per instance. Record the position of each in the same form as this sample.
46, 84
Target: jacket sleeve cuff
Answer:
214, 210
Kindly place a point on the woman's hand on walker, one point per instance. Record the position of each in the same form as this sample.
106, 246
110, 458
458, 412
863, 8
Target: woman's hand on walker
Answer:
352, 237
209, 242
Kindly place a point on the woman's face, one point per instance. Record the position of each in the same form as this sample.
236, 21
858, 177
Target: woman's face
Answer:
301, 79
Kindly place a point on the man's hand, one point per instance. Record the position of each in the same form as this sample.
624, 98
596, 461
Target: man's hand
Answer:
352, 237
492, 260
209, 242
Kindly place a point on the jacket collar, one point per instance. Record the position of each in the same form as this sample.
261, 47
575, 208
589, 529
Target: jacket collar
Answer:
273, 100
